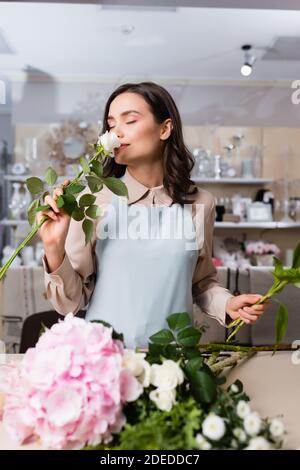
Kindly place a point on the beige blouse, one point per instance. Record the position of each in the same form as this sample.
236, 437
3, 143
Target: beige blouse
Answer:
70, 286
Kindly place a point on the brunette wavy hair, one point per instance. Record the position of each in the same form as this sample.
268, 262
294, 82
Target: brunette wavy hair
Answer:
178, 161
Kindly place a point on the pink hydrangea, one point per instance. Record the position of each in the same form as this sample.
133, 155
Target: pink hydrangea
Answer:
70, 389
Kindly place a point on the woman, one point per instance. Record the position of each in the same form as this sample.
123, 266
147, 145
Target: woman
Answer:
137, 281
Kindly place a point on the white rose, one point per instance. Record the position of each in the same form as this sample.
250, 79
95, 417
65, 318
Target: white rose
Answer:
164, 399
276, 428
234, 388
213, 427
167, 375
136, 363
242, 409
202, 443
240, 434
258, 443
252, 423
109, 141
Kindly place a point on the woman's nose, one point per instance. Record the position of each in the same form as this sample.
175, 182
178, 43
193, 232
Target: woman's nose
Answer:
118, 130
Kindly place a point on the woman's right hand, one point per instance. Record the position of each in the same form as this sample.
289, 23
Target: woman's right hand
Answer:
54, 231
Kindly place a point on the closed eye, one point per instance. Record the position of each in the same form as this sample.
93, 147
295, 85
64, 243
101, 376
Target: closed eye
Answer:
129, 122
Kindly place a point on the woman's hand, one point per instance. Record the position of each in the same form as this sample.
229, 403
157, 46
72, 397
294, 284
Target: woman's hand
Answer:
242, 306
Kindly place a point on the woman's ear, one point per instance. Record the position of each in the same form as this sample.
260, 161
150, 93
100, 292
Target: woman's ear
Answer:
166, 129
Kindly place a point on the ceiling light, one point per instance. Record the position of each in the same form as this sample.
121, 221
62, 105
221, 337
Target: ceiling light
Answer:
249, 59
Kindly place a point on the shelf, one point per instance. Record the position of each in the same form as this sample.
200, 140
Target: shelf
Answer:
11, 222
258, 225
249, 181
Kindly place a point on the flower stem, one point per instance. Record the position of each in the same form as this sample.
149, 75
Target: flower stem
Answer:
230, 361
29, 237
214, 347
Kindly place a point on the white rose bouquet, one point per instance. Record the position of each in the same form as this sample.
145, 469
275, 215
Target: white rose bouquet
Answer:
82, 209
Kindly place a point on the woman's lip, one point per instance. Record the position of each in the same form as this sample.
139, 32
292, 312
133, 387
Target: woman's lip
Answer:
123, 145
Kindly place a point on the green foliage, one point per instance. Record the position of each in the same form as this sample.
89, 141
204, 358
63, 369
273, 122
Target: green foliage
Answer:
169, 430
181, 342
50, 176
34, 185
93, 212
282, 277
32, 210
87, 200
116, 186
88, 228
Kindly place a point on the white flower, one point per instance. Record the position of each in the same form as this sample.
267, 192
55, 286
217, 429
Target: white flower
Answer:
276, 428
109, 141
234, 388
242, 409
167, 375
213, 427
240, 434
258, 443
136, 363
164, 399
234, 444
252, 424
202, 443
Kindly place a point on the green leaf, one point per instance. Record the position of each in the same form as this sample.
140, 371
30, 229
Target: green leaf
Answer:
43, 208
94, 183
178, 321
60, 202
115, 335
220, 380
35, 185
296, 257
203, 387
31, 211
97, 168
78, 214
189, 337
116, 186
154, 352
74, 188
88, 228
87, 200
162, 337
50, 176
194, 364
85, 165
278, 264
190, 353
281, 322
93, 212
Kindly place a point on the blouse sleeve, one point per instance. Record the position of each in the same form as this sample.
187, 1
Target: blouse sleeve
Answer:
208, 294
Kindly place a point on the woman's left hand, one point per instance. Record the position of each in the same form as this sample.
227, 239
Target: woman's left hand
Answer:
242, 306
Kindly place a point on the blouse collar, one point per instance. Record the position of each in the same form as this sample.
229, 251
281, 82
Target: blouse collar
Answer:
137, 191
